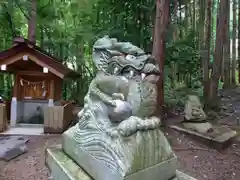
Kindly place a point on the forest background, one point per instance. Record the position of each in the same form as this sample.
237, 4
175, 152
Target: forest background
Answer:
196, 40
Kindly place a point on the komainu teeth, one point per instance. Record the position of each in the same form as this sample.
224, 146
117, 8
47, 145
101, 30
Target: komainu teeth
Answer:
115, 70
131, 73
143, 76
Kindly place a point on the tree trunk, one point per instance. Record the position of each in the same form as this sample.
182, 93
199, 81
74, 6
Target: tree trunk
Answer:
234, 36
208, 47
186, 19
190, 14
222, 64
42, 37
214, 4
160, 27
175, 29
238, 41
213, 85
194, 15
202, 42
32, 22
227, 64
180, 20
175, 38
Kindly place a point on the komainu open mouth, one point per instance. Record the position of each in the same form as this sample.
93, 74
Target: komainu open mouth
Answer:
125, 59
148, 72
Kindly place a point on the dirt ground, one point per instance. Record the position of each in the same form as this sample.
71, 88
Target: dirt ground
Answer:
203, 162
195, 159
29, 166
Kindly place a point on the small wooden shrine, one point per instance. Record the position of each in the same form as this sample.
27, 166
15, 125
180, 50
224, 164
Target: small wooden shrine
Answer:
38, 79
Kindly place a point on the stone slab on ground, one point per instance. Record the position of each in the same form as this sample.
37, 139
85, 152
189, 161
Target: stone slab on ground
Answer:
12, 146
220, 138
64, 168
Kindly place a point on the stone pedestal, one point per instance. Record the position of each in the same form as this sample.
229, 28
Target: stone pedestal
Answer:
143, 156
198, 127
62, 167
13, 115
219, 138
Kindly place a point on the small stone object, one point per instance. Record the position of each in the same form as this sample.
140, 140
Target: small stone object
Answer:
14, 152
193, 110
12, 147
195, 117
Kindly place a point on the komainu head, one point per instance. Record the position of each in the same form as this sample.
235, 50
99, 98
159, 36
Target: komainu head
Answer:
124, 59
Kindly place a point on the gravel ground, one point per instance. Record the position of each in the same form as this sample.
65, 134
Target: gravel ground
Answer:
29, 166
195, 159
203, 162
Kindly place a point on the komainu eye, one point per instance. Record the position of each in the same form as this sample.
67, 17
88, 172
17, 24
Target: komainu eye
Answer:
130, 57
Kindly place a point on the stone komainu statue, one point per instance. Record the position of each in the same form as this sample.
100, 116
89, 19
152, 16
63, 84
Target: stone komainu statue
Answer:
116, 138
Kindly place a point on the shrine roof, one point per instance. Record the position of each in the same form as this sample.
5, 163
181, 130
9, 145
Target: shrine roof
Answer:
22, 46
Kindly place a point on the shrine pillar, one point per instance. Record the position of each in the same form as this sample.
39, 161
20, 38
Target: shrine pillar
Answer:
51, 94
13, 115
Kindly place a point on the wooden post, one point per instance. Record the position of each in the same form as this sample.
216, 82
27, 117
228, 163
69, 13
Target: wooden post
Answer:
3, 118
13, 116
51, 93
15, 86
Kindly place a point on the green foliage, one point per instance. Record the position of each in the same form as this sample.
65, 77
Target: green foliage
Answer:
186, 77
68, 28
177, 95
185, 55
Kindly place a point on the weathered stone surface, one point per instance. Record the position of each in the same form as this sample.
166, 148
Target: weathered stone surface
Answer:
117, 138
139, 159
193, 110
14, 152
12, 146
203, 127
220, 138
64, 168
182, 176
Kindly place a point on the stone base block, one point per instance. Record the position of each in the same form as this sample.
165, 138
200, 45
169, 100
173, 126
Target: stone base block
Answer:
219, 138
144, 155
62, 167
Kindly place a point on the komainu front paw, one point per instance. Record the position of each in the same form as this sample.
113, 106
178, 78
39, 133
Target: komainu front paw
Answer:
129, 126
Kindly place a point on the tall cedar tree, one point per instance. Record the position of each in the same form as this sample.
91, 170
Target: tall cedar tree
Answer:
160, 27
218, 58
32, 21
